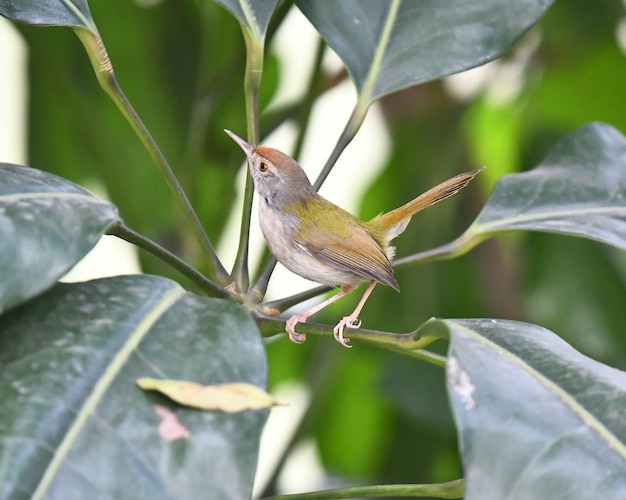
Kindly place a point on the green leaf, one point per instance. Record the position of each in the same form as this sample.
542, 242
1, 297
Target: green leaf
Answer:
255, 14
579, 189
74, 424
74, 13
536, 418
47, 224
390, 45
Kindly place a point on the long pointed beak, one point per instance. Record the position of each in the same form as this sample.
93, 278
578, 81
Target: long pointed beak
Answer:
247, 148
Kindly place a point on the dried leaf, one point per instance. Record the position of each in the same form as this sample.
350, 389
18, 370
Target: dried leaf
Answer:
229, 398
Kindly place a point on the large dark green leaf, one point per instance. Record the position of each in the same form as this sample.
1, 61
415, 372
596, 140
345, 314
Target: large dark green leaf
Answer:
73, 13
255, 14
73, 423
47, 224
536, 418
388, 45
579, 189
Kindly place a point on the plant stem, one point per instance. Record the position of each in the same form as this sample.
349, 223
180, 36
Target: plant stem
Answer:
304, 117
451, 489
206, 285
400, 342
272, 118
352, 127
252, 82
106, 77
354, 123
292, 300
461, 245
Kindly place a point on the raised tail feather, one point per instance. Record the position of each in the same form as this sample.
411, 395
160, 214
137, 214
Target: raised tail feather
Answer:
395, 222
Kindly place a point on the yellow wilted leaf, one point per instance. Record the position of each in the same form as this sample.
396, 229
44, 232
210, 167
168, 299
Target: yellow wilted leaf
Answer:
230, 398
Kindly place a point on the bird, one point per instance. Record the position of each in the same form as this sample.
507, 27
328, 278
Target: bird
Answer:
322, 242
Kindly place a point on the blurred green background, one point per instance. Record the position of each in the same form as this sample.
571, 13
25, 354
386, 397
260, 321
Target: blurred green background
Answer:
375, 417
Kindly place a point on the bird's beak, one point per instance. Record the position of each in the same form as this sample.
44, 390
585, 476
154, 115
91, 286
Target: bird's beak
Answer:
247, 148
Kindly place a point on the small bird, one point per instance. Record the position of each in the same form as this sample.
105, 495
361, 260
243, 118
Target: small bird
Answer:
322, 242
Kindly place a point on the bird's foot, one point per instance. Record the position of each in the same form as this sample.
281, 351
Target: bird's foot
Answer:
346, 322
295, 337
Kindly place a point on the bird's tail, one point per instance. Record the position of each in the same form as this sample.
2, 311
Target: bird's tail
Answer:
394, 223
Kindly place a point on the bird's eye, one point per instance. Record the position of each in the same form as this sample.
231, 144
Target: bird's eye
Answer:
263, 167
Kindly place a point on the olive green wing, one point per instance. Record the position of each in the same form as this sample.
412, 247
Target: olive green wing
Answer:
354, 250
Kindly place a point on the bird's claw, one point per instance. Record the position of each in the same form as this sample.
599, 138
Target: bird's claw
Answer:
356, 323
295, 337
346, 322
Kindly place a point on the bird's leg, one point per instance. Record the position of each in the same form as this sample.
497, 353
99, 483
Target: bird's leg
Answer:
298, 338
352, 321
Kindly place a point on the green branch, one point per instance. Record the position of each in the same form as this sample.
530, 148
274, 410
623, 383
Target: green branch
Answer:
292, 300
205, 284
352, 127
304, 119
404, 343
451, 489
106, 77
460, 246
364, 99
252, 82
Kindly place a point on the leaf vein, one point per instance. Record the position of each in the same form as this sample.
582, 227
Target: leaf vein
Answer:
113, 369
587, 417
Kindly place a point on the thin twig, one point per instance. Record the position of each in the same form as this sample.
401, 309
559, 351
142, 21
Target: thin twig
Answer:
292, 300
106, 77
304, 118
252, 82
401, 342
205, 284
451, 489
461, 245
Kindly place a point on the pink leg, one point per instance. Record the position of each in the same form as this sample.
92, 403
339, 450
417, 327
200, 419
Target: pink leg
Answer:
298, 338
352, 321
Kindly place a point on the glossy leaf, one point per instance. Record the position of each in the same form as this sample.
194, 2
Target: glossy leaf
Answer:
255, 14
74, 13
579, 189
388, 45
536, 418
47, 224
74, 424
